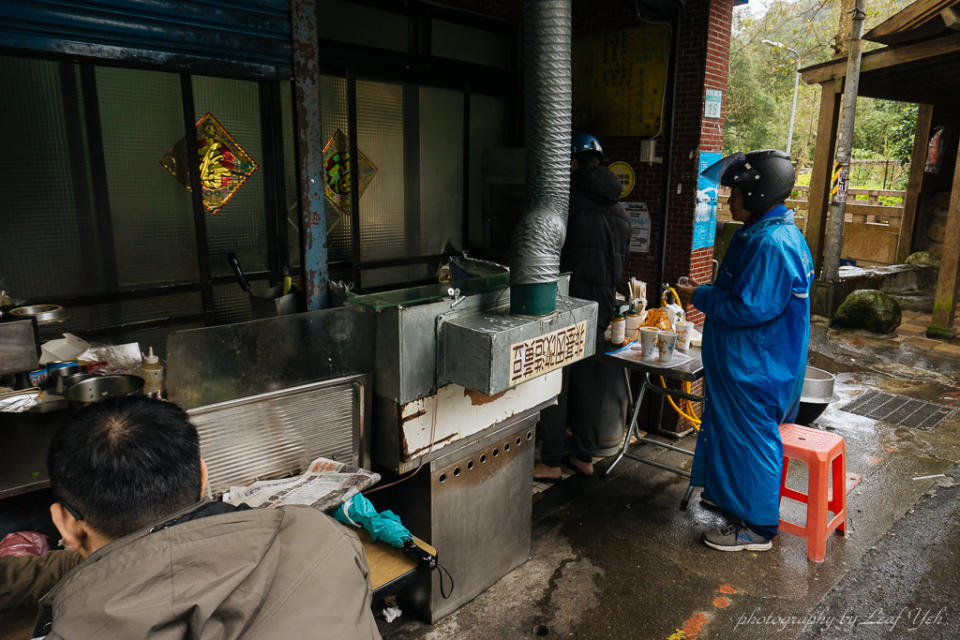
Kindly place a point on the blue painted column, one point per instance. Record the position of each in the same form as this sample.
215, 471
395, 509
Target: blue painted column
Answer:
316, 272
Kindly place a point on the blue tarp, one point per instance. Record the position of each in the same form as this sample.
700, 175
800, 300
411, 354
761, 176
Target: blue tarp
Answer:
754, 357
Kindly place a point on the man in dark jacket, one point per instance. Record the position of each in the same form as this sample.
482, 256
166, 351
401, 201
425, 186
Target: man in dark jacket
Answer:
159, 563
595, 252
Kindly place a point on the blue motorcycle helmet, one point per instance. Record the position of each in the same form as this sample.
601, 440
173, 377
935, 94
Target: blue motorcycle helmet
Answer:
584, 142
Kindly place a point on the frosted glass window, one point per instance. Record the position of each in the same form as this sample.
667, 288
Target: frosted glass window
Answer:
383, 229
488, 118
142, 117
82, 318
50, 237
240, 225
232, 304
468, 44
441, 169
333, 116
399, 275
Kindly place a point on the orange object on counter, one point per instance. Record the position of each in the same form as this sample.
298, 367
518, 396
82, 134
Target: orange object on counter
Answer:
659, 318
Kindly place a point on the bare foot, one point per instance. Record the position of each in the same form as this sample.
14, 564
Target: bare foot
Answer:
544, 472
583, 468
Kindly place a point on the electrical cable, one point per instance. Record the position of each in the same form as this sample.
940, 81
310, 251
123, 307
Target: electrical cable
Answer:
440, 571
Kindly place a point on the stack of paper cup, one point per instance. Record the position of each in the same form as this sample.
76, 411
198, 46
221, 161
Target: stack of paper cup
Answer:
684, 333
666, 342
648, 342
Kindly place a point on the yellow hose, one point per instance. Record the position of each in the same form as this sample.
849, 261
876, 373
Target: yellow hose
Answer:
692, 416
663, 296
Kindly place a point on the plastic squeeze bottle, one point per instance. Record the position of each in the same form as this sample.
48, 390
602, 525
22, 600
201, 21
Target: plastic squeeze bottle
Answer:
152, 373
617, 328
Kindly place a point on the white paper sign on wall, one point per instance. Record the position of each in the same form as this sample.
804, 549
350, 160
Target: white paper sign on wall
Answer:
712, 102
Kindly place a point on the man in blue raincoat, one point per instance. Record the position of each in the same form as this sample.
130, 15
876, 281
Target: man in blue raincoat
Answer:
754, 350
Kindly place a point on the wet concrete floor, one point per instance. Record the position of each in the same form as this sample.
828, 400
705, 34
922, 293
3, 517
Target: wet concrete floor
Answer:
616, 558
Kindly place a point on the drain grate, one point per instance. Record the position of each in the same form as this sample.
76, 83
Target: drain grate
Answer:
899, 410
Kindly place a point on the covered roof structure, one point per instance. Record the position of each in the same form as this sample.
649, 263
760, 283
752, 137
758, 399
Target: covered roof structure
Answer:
921, 64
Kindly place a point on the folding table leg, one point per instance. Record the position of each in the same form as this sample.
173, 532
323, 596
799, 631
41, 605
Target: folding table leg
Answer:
686, 498
632, 430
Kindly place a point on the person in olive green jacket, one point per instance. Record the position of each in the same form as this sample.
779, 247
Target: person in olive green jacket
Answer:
25, 579
159, 563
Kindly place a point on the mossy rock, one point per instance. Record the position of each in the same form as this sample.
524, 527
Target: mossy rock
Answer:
922, 259
869, 309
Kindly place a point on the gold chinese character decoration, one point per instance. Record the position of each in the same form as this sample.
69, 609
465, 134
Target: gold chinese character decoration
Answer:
224, 164
337, 175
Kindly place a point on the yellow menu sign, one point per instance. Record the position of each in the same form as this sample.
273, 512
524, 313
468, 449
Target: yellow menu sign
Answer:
619, 80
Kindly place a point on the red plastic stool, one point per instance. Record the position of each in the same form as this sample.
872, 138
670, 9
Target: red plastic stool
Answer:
821, 451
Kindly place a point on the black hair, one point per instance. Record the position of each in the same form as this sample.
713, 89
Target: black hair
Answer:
588, 159
124, 463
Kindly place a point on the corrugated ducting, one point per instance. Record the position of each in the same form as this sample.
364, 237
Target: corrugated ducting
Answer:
249, 38
538, 237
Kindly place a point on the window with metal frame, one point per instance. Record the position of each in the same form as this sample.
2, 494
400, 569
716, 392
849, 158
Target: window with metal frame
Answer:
94, 222
423, 114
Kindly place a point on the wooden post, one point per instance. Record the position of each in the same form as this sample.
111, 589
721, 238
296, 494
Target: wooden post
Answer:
944, 302
819, 194
920, 138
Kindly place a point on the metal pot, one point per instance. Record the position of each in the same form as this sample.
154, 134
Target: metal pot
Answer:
817, 393
102, 387
74, 378
817, 386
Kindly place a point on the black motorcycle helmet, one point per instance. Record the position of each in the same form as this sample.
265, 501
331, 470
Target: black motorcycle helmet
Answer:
765, 177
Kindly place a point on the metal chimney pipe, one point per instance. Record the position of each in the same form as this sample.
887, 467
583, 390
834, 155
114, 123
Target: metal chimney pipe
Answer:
548, 95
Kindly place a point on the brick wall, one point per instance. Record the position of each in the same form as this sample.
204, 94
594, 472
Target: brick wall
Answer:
704, 49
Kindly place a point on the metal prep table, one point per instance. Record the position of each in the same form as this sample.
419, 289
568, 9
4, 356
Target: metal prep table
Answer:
687, 367
23, 456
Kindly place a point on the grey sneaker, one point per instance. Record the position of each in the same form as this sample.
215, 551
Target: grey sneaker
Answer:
736, 537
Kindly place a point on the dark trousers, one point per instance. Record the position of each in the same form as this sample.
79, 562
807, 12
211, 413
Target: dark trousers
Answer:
593, 401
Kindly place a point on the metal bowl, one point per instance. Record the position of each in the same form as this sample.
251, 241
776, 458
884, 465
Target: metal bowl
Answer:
102, 387
74, 378
817, 386
43, 313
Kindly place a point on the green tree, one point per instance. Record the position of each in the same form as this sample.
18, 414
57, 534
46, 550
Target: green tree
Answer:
903, 130
760, 85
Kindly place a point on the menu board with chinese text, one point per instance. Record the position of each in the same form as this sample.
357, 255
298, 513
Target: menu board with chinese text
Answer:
619, 80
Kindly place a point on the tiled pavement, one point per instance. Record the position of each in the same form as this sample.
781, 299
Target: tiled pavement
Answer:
912, 331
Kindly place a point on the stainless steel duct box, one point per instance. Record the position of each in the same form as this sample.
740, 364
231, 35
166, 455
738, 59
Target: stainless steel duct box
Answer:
411, 382
493, 351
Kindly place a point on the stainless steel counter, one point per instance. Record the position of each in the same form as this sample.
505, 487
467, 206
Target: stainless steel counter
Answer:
23, 454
